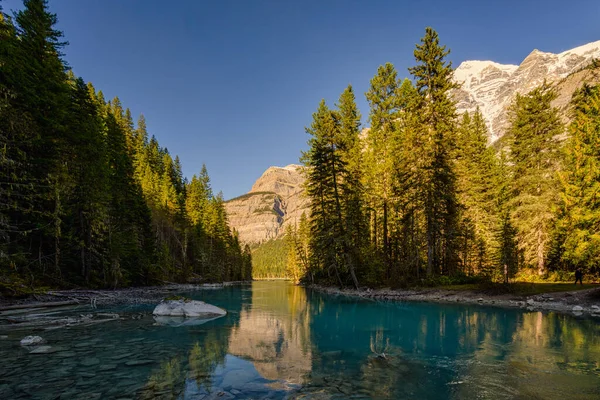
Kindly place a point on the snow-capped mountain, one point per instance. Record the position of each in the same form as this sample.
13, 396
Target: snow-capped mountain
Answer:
493, 86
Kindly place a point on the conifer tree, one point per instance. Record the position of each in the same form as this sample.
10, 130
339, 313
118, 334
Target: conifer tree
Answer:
534, 128
507, 254
408, 176
35, 73
351, 191
291, 244
18, 186
437, 114
318, 189
297, 240
381, 148
476, 167
88, 199
579, 215
326, 171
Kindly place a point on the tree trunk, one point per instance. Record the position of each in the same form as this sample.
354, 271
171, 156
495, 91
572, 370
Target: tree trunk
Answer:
82, 250
430, 246
57, 229
540, 253
386, 241
342, 231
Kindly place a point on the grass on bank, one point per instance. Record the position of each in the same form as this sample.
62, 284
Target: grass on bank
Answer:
526, 283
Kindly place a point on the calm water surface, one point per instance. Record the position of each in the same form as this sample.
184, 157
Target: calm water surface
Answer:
280, 341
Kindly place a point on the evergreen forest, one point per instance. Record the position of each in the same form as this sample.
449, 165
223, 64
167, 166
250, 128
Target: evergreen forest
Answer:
87, 196
422, 197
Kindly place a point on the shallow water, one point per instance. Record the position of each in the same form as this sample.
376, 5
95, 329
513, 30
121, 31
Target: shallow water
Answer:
281, 341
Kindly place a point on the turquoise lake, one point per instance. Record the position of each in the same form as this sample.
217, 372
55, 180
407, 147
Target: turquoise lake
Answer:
280, 341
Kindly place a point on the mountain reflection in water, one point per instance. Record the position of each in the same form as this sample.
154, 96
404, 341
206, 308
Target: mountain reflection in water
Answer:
274, 334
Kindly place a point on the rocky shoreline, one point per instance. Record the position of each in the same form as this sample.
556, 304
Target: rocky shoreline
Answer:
64, 308
95, 298
579, 302
582, 302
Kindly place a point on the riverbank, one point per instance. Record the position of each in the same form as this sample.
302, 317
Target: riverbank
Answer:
131, 295
56, 309
535, 298
579, 302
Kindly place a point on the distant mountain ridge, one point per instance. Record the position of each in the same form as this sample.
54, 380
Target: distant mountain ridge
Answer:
493, 86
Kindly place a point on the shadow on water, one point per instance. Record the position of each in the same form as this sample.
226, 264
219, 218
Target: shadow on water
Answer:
282, 341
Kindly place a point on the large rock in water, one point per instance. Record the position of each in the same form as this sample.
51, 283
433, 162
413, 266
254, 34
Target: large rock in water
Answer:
188, 309
32, 341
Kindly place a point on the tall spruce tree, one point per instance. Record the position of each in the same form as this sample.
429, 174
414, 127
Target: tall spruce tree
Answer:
476, 169
437, 115
326, 174
381, 149
18, 187
318, 187
351, 204
408, 175
579, 215
535, 127
88, 170
507, 254
35, 74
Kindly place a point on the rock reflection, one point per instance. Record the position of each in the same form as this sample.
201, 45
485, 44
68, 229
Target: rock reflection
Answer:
263, 347
274, 334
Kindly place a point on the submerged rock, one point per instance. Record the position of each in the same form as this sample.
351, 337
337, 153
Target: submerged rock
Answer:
136, 363
182, 321
577, 308
188, 308
90, 362
42, 350
32, 341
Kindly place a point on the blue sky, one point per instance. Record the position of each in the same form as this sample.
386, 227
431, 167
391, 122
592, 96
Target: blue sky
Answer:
233, 83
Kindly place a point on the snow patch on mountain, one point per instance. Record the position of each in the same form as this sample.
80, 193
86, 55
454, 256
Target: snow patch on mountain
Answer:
492, 86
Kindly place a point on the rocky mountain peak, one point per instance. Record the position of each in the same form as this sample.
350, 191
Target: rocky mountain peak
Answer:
492, 86
274, 201
283, 181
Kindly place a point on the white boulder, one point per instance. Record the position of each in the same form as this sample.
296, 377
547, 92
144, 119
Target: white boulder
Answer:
188, 308
577, 308
32, 341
